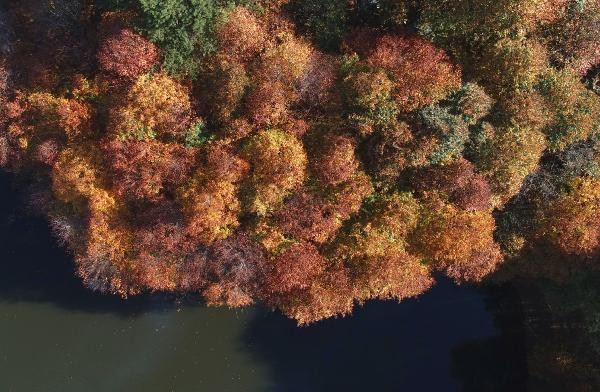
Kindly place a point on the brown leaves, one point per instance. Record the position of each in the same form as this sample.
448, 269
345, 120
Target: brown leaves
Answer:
457, 182
235, 271
143, 169
330, 295
335, 160
267, 103
308, 217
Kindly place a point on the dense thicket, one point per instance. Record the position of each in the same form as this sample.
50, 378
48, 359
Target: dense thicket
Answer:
307, 154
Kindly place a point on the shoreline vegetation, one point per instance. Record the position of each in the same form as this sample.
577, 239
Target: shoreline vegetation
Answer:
310, 155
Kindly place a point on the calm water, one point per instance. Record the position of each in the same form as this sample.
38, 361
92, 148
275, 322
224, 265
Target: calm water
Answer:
57, 336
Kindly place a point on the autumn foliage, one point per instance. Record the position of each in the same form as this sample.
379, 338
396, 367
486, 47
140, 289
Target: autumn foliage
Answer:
126, 54
244, 153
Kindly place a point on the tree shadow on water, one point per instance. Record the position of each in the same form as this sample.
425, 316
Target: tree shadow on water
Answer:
497, 363
385, 346
34, 268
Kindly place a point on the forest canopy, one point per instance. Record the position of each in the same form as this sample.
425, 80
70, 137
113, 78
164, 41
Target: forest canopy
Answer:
309, 155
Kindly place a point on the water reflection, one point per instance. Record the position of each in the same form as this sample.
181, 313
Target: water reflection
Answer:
57, 336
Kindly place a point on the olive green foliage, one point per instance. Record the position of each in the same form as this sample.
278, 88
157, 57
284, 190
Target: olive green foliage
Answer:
197, 135
325, 20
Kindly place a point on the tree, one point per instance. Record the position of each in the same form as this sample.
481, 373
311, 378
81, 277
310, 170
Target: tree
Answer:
506, 156
570, 221
460, 243
473, 102
375, 251
329, 295
295, 269
571, 35
456, 182
242, 37
226, 89
210, 207
315, 85
348, 196
102, 264
446, 133
224, 164
308, 217
268, 103
235, 272
325, 21
126, 54
368, 100
155, 106
512, 66
182, 29
575, 109
391, 151
143, 169
74, 176
335, 160
160, 251
43, 115
422, 73
287, 61
278, 165
495, 49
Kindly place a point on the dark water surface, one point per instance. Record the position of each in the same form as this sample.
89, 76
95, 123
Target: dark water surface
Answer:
57, 336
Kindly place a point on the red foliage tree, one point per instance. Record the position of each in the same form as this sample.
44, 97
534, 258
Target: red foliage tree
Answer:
126, 54
296, 268
222, 163
349, 195
329, 295
160, 249
268, 103
423, 74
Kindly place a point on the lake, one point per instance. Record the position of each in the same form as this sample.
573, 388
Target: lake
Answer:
57, 336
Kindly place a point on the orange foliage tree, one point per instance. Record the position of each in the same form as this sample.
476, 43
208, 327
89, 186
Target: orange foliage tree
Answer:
458, 242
